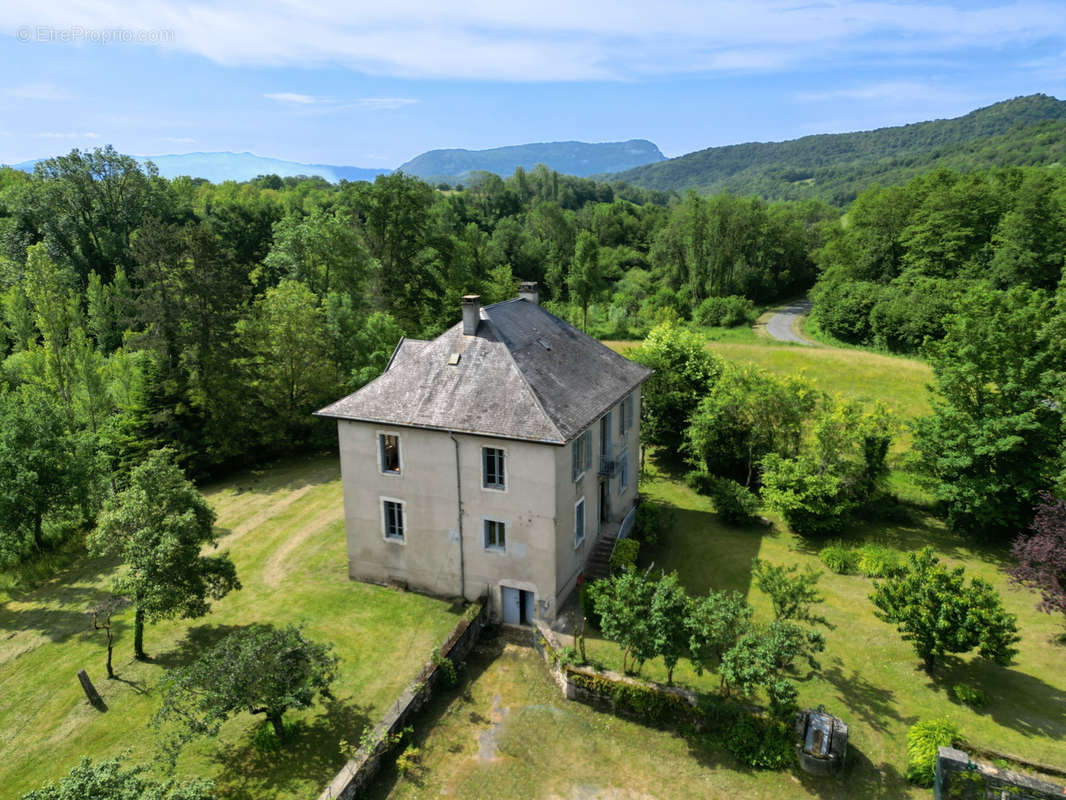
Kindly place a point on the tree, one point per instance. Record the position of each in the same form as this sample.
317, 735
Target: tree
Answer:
668, 617
761, 657
585, 279
934, 607
791, 592
715, 622
101, 620
286, 336
685, 370
1041, 556
45, 470
836, 471
110, 780
157, 526
747, 414
623, 605
258, 669
992, 443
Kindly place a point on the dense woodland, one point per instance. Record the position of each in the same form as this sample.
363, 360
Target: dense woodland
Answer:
835, 168
141, 313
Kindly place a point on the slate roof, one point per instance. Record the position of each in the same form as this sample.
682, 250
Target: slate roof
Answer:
526, 375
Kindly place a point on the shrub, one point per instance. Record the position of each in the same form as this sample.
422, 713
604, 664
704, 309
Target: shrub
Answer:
969, 695
726, 312
409, 760
734, 503
839, 558
760, 742
877, 561
589, 606
652, 519
445, 665
625, 555
923, 740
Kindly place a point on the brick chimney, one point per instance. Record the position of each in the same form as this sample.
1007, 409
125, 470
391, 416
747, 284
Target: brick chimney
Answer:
527, 290
471, 313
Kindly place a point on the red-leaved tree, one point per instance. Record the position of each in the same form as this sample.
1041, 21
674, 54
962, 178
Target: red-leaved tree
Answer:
1041, 555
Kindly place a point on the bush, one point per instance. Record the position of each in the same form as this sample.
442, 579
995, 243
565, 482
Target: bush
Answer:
445, 665
652, 519
725, 312
625, 555
923, 740
589, 606
877, 561
760, 742
733, 502
969, 695
839, 558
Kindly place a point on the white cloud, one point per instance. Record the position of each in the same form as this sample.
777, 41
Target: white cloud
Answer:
556, 40
37, 91
290, 97
179, 139
66, 135
890, 92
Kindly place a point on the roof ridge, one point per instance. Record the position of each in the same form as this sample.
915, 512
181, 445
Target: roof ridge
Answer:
522, 375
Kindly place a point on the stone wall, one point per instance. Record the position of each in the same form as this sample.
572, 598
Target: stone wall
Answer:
360, 770
958, 776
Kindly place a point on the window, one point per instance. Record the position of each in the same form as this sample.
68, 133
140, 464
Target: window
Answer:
605, 434
579, 522
492, 474
625, 414
392, 516
495, 535
389, 445
581, 455
623, 472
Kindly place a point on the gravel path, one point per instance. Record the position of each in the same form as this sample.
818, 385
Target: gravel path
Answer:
780, 325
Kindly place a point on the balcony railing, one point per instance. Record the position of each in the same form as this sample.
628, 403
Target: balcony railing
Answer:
611, 461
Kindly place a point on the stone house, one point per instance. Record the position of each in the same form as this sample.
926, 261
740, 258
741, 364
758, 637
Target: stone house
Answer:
490, 460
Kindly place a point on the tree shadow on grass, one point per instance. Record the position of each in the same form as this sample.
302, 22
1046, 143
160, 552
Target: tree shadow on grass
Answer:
310, 755
873, 704
1017, 700
64, 616
196, 641
283, 475
859, 778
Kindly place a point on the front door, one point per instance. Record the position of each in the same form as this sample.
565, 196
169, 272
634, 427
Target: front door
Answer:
511, 600
517, 606
605, 497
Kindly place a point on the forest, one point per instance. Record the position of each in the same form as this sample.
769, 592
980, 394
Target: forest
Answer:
142, 313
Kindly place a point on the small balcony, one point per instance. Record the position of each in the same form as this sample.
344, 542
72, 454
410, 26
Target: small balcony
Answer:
611, 461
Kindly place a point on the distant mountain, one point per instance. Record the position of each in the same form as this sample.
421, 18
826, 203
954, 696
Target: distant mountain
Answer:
572, 158
218, 167
836, 167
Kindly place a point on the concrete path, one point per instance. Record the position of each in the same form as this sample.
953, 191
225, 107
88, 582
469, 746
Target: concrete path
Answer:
781, 325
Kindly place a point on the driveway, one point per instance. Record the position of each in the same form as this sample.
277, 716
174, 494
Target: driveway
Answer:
781, 325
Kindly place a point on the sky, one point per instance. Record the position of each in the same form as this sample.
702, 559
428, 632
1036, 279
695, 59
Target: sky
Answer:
350, 82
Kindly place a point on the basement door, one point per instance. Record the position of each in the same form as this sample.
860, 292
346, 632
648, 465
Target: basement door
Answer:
517, 606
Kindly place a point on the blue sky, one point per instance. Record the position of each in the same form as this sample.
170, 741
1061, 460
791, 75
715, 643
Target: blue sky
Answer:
374, 84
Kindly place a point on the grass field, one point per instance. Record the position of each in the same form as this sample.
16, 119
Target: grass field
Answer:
284, 529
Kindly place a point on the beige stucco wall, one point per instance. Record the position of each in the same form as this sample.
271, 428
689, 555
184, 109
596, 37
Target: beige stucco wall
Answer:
428, 557
570, 560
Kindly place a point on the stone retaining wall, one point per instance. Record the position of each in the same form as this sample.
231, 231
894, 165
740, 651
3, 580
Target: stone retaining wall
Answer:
363, 766
958, 776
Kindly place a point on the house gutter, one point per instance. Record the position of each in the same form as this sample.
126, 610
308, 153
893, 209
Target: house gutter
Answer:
459, 518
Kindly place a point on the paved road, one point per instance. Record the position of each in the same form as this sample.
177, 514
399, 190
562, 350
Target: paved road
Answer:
779, 326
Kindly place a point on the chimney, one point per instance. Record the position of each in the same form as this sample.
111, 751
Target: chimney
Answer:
527, 290
471, 313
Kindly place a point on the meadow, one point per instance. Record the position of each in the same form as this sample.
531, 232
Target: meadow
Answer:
284, 529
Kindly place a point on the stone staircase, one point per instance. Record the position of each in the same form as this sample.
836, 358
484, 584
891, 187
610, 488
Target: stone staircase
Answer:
598, 564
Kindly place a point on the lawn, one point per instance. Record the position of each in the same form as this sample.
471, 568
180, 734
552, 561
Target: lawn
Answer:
285, 531
868, 675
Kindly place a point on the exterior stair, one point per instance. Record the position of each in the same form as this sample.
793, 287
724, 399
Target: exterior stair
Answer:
598, 564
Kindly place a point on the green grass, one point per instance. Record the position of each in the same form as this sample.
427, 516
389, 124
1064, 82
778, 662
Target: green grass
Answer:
868, 675
285, 531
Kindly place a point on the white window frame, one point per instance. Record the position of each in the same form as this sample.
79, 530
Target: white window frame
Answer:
381, 453
579, 540
623, 472
402, 539
506, 477
493, 548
